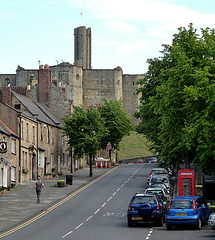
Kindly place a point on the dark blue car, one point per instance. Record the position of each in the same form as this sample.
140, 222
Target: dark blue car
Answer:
144, 208
187, 210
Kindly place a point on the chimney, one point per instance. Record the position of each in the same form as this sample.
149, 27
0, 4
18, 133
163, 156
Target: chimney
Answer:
6, 96
45, 76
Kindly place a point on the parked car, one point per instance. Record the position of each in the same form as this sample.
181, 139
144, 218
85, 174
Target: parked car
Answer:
156, 171
152, 160
144, 208
162, 192
140, 161
211, 221
187, 210
159, 179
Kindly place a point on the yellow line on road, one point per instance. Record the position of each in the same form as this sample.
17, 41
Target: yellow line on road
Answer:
40, 215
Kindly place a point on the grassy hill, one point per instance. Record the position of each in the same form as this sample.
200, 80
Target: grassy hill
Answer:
134, 145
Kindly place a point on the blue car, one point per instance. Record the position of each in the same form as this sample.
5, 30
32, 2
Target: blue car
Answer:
187, 210
145, 208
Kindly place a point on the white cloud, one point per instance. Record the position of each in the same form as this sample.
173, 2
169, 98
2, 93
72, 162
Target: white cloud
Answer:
119, 25
131, 47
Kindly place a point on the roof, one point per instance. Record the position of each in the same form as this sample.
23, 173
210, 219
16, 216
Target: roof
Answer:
37, 110
6, 130
185, 197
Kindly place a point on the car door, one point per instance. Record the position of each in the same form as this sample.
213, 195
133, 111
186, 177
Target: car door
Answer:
205, 210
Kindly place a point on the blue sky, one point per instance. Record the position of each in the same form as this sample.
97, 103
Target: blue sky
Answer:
124, 33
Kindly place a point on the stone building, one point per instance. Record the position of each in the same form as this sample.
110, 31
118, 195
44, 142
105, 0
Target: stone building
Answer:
9, 151
56, 90
65, 85
42, 145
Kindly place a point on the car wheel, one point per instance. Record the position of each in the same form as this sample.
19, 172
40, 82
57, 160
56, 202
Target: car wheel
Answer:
168, 227
130, 223
199, 225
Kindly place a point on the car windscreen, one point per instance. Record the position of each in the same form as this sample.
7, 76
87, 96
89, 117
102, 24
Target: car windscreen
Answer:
181, 204
143, 199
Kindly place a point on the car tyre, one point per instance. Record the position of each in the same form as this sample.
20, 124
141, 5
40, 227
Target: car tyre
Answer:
130, 223
199, 225
168, 227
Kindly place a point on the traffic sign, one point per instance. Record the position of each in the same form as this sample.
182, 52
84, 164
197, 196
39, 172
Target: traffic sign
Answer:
109, 146
3, 147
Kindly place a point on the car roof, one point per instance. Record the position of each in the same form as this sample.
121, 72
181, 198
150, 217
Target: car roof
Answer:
185, 198
143, 194
158, 169
154, 188
160, 175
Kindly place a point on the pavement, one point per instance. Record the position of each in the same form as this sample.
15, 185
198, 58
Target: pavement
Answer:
20, 203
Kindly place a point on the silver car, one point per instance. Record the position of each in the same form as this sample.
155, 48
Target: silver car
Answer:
211, 221
159, 179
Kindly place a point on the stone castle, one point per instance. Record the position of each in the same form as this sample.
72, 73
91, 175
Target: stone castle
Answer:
65, 85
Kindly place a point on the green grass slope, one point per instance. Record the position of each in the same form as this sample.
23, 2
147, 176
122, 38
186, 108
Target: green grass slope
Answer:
134, 145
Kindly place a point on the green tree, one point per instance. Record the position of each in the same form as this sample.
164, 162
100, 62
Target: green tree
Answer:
177, 104
85, 130
116, 121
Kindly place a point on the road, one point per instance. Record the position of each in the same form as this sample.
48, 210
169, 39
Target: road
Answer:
98, 212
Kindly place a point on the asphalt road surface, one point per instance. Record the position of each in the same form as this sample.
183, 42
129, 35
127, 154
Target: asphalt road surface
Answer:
98, 212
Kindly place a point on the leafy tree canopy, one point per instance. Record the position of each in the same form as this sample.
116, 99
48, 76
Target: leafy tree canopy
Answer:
116, 121
85, 130
178, 98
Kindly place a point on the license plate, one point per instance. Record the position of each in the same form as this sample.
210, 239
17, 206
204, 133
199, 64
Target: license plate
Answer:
137, 218
181, 214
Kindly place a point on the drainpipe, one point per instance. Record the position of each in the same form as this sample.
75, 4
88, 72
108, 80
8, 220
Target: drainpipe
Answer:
37, 146
20, 138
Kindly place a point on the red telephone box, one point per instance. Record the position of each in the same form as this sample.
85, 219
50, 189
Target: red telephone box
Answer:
186, 182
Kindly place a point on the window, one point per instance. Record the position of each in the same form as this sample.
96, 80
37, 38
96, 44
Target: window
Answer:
17, 106
41, 159
51, 159
62, 139
51, 135
13, 174
27, 132
33, 140
40, 132
13, 146
48, 135
22, 130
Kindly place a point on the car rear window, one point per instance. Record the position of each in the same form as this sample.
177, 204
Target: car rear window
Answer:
181, 204
159, 192
143, 199
161, 171
159, 180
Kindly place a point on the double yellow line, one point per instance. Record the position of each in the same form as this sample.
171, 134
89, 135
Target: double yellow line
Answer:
40, 215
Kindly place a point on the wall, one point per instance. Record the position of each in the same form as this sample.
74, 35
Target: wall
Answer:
130, 98
99, 84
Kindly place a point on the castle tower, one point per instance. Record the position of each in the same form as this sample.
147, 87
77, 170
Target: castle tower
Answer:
82, 45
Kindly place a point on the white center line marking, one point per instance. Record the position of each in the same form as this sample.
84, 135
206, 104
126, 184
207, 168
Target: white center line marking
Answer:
79, 226
97, 210
109, 199
103, 204
89, 218
67, 234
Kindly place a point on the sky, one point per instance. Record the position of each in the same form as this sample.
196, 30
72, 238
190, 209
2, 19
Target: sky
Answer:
124, 33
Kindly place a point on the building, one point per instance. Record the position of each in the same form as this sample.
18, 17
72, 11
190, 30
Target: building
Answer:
65, 85
41, 97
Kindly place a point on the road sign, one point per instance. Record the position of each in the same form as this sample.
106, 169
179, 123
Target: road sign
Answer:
3, 147
109, 146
